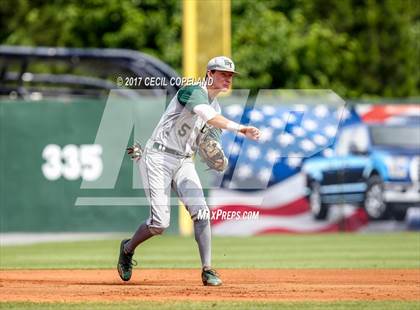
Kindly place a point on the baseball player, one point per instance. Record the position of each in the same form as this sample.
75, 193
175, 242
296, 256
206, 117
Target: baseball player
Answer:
167, 163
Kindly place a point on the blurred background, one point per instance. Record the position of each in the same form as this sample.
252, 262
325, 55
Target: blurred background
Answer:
360, 49
60, 60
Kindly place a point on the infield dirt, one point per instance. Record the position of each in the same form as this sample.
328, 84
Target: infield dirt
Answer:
185, 284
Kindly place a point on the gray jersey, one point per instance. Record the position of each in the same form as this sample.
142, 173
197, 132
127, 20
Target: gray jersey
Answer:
179, 125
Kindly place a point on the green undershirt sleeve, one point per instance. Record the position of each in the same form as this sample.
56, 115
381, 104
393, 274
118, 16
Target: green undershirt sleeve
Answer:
192, 95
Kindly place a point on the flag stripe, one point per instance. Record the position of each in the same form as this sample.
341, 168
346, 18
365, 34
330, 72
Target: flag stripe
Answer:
300, 223
285, 192
294, 208
352, 223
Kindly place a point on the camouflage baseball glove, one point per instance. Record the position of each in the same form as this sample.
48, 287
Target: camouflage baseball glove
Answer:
210, 149
135, 151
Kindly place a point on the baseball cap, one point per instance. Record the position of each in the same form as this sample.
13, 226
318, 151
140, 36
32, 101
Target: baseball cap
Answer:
221, 63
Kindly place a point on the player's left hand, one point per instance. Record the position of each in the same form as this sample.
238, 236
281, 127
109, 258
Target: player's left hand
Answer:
251, 132
135, 151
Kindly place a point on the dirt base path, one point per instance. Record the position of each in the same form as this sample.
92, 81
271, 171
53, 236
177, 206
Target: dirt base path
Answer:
185, 284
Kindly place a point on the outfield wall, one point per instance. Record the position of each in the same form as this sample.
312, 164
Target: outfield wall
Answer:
48, 153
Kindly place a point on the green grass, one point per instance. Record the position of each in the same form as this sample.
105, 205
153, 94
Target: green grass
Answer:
396, 250
371, 305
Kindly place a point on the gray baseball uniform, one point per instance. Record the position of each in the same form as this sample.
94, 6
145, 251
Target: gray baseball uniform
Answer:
167, 159
179, 126
167, 163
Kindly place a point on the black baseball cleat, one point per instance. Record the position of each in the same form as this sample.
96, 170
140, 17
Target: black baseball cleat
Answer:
210, 277
125, 262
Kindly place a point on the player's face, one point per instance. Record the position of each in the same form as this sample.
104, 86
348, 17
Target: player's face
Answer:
222, 80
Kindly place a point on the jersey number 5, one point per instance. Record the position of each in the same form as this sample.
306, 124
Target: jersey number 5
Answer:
183, 131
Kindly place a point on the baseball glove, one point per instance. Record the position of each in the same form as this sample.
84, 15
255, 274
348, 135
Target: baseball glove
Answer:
210, 149
135, 151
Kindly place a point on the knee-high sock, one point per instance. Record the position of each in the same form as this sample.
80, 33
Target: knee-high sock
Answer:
142, 234
202, 234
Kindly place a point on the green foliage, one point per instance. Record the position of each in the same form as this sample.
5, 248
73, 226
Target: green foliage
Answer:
150, 26
357, 48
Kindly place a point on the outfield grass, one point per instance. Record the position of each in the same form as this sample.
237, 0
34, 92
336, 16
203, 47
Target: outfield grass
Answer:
354, 305
391, 250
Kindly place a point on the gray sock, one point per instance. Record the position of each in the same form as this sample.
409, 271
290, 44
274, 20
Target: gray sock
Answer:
202, 234
142, 234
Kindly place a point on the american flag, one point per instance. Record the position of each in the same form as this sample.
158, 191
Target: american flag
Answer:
265, 175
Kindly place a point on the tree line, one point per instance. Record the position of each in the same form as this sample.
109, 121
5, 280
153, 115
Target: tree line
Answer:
358, 48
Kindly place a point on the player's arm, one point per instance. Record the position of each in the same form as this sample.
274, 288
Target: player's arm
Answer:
211, 117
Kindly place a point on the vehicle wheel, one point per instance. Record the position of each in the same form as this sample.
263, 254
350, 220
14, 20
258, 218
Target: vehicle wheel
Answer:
374, 203
319, 210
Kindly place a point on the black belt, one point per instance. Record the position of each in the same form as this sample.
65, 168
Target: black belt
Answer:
162, 148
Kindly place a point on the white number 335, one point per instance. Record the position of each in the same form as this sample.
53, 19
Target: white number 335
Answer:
72, 162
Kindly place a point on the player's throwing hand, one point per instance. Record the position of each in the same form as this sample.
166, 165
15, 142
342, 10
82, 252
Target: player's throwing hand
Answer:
250, 132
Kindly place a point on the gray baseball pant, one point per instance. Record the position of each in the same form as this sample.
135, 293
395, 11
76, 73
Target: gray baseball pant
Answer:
160, 172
